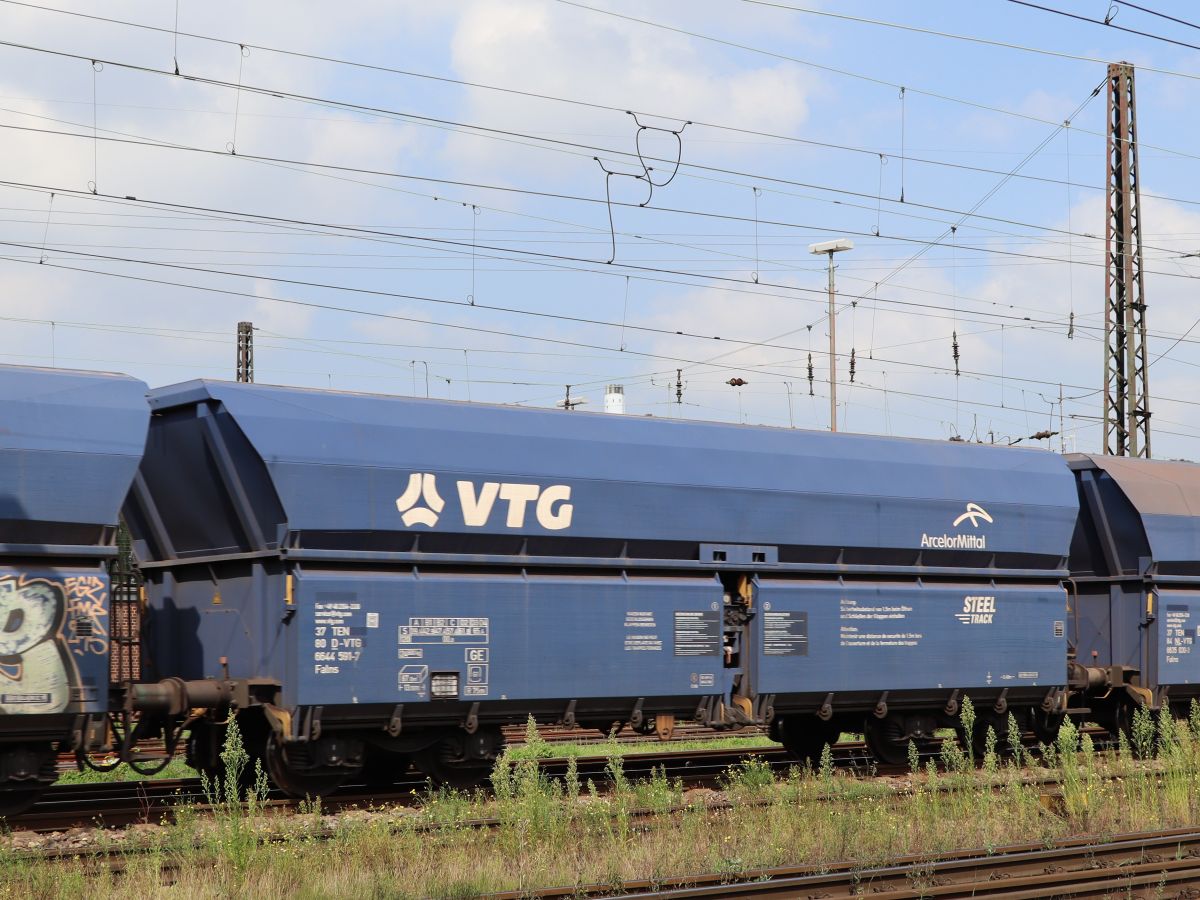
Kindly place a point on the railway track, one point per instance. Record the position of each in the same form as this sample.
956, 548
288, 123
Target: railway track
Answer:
1158, 864
514, 735
122, 803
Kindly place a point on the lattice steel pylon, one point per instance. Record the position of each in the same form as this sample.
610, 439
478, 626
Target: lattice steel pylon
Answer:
245, 351
1126, 369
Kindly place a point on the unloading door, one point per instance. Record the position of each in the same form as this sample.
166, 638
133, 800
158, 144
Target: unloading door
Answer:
830, 636
1178, 621
403, 638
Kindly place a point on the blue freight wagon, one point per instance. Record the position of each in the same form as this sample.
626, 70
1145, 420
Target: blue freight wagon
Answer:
378, 577
70, 443
1135, 586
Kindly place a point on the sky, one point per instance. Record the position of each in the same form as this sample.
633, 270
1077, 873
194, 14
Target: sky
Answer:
492, 201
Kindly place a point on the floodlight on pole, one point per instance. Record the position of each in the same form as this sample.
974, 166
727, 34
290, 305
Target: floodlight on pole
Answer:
830, 248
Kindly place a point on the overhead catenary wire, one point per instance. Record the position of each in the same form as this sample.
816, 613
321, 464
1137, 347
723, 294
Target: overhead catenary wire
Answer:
822, 187
669, 332
450, 325
588, 150
558, 316
845, 72
473, 243
563, 260
660, 209
996, 187
1160, 15
304, 165
283, 94
1107, 23
541, 95
976, 39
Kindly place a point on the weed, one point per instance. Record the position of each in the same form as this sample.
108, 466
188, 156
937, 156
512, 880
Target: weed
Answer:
750, 777
954, 758
825, 768
568, 833
967, 716
991, 760
615, 767
658, 792
1124, 752
233, 838
1016, 749
571, 782
1144, 732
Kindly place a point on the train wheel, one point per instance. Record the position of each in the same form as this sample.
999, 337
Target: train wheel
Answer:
461, 762
1117, 717
297, 782
455, 774
382, 768
805, 737
30, 769
886, 739
608, 729
1045, 725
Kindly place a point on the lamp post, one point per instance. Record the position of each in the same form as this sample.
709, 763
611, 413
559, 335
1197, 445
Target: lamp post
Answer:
830, 248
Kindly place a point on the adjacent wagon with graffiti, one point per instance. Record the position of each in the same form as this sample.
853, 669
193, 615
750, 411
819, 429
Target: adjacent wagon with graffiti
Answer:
70, 444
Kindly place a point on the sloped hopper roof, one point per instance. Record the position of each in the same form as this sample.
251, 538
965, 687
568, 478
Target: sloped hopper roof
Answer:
70, 443
1167, 497
340, 461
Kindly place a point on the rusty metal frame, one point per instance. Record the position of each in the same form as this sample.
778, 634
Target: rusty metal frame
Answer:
1126, 369
245, 352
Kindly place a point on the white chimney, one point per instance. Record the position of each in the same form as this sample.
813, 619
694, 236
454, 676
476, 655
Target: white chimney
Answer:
614, 399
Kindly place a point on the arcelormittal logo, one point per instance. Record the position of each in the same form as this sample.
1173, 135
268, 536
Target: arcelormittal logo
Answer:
960, 541
974, 512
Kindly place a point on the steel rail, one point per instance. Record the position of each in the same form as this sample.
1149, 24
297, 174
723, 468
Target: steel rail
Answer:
1076, 868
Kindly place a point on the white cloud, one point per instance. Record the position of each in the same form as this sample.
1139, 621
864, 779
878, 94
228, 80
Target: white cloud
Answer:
566, 52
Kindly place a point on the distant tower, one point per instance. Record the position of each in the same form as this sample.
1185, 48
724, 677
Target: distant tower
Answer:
245, 351
1126, 369
614, 399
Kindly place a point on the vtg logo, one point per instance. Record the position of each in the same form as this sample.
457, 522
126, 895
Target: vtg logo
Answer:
421, 504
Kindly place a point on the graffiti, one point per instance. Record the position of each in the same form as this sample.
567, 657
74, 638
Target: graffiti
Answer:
36, 673
87, 615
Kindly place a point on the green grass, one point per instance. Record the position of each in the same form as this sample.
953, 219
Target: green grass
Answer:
564, 750
176, 768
